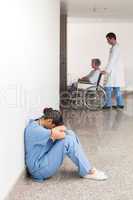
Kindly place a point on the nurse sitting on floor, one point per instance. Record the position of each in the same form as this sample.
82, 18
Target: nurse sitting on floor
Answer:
47, 141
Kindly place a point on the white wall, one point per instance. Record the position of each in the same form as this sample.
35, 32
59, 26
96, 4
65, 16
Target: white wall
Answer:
29, 75
86, 39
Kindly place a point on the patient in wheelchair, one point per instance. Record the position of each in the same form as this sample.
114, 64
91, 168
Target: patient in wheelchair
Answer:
93, 75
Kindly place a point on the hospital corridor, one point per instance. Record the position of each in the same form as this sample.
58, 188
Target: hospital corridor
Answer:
107, 138
50, 127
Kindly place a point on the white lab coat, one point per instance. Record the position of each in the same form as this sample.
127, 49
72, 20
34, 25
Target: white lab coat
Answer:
115, 68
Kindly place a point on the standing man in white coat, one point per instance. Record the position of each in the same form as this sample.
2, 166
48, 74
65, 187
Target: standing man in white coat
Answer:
115, 74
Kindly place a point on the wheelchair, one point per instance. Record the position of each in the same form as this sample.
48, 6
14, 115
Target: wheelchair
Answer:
92, 98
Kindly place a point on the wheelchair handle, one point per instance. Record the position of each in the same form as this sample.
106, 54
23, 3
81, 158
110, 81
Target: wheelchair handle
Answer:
99, 79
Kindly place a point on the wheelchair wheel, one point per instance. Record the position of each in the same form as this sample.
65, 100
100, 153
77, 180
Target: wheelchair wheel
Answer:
77, 99
95, 97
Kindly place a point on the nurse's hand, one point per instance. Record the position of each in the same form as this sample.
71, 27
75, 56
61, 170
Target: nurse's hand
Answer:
61, 128
57, 133
103, 72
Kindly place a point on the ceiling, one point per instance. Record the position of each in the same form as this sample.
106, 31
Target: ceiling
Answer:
98, 8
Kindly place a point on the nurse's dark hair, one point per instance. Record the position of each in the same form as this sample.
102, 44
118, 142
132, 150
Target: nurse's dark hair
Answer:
55, 115
111, 35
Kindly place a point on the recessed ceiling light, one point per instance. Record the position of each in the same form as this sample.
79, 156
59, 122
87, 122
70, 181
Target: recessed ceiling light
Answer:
97, 10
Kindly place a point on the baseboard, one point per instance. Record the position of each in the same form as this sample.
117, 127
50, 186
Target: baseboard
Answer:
127, 92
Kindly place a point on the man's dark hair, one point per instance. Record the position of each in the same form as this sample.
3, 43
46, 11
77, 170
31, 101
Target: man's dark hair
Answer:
97, 61
55, 115
111, 35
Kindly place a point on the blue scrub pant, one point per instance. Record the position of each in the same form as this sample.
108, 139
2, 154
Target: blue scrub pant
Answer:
118, 96
69, 146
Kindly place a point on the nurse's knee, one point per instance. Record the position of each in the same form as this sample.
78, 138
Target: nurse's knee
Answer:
71, 133
71, 138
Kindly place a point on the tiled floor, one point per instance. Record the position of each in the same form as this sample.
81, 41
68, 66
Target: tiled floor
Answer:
107, 137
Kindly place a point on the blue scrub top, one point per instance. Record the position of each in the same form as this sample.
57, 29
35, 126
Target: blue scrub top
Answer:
37, 145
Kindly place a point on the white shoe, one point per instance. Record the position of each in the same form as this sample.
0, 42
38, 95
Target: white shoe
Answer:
96, 175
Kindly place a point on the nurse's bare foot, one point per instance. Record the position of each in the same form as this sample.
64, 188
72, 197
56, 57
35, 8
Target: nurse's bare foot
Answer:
95, 174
